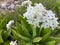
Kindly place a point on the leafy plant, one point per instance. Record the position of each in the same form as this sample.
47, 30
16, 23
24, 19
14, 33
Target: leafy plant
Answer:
27, 34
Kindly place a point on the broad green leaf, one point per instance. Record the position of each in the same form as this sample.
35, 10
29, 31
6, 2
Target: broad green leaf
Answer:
20, 10
45, 31
6, 34
22, 42
26, 31
46, 36
25, 26
20, 36
23, 22
34, 31
51, 43
29, 44
22, 30
37, 39
57, 39
4, 22
1, 40
19, 28
14, 37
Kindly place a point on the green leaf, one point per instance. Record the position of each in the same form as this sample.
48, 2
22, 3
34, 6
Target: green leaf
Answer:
1, 40
46, 36
34, 31
20, 10
19, 28
20, 36
6, 34
22, 42
57, 39
25, 26
22, 30
29, 44
26, 31
23, 22
51, 43
45, 31
37, 39
4, 22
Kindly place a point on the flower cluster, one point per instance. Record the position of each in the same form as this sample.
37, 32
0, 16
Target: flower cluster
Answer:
13, 43
38, 14
49, 20
10, 23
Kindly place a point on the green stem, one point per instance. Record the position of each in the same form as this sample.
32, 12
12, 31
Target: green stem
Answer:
40, 31
34, 31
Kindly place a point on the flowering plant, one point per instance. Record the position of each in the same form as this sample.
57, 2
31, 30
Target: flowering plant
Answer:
30, 23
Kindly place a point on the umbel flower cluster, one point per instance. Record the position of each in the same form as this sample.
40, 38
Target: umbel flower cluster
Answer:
38, 14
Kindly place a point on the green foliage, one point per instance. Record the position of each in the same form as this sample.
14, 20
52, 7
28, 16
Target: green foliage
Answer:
51, 43
25, 33
32, 38
6, 34
37, 39
50, 4
1, 40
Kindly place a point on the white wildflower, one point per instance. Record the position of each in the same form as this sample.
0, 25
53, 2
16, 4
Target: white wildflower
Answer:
13, 43
34, 14
10, 23
49, 20
38, 14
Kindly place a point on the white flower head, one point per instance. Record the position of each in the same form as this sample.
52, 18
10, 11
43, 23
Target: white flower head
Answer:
38, 14
34, 14
49, 20
10, 23
13, 43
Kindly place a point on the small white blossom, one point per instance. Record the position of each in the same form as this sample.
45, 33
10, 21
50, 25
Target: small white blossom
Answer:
10, 23
13, 43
